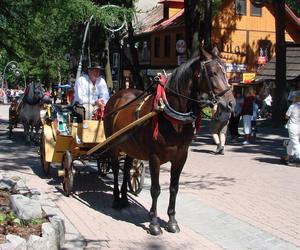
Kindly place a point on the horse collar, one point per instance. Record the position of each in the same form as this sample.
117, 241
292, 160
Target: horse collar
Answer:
161, 104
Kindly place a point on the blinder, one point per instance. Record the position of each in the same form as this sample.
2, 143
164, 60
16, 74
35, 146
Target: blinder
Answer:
213, 97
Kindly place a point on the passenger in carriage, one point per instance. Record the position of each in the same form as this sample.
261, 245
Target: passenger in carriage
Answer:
91, 91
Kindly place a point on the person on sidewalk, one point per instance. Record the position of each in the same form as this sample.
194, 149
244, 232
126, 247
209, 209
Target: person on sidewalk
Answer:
293, 126
218, 129
235, 117
247, 113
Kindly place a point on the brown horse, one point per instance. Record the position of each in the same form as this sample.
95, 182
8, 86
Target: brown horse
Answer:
204, 74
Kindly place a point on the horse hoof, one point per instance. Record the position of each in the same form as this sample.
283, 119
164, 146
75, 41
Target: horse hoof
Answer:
124, 203
155, 229
116, 205
172, 227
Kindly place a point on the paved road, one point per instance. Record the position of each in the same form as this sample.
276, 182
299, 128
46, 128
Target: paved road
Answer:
243, 200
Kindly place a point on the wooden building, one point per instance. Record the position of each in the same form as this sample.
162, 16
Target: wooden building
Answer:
244, 34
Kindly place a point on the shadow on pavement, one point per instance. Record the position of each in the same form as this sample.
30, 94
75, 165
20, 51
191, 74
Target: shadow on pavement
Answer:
268, 142
96, 193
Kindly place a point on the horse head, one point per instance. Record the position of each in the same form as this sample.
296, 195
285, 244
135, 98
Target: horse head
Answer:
33, 93
216, 87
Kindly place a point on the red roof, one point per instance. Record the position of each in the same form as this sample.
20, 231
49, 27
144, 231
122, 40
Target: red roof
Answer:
177, 1
175, 21
292, 15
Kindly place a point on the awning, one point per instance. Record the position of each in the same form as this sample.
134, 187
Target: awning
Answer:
267, 72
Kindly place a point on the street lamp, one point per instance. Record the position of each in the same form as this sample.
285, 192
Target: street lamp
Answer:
79, 69
13, 65
114, 24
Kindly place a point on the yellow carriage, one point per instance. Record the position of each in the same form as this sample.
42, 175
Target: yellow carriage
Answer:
63, 141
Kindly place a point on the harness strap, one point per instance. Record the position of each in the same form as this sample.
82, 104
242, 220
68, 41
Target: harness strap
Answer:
161, 104
138, 109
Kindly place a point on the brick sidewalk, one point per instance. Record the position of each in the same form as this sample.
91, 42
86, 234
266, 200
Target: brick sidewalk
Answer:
243, 200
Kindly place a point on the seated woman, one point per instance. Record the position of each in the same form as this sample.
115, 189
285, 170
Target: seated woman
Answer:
91, 91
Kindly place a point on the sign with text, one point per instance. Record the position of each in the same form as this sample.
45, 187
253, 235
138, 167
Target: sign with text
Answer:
262, 60
235, 67
248, 77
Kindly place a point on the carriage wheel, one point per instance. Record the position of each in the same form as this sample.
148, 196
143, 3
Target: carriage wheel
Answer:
45, 164
136, 176
103, 166
68, 178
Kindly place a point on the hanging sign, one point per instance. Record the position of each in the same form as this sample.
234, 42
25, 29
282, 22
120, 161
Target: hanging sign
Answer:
248, 77
181, 46
262, 60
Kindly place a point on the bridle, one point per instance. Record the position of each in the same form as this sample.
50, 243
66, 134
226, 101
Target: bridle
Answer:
213, 98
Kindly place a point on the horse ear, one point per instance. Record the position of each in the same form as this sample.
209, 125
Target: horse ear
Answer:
204, 54
215, 52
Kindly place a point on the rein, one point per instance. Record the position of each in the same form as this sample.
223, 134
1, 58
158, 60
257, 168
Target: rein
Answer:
130, 102
214, 97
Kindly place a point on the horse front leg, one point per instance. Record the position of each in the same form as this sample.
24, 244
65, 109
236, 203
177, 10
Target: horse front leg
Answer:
31, 135
154, 165
176, 168
116, 191
36, 135
26, 132
127, 166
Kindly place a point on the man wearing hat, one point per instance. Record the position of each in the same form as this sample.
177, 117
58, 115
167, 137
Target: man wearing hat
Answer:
91, 90
293, 126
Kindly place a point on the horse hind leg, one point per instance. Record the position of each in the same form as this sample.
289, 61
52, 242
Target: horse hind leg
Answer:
116, 191
127, 165
176, 168
10, 129
154, 165
36, 134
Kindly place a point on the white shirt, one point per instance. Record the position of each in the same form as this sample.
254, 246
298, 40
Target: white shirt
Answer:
293, 113
268, 100
88, 93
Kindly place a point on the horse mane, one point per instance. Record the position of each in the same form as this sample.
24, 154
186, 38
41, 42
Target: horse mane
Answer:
181, 75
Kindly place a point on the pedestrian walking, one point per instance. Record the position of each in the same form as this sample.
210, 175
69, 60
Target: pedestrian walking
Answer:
293, 126
235, 117
247, 113
218, 129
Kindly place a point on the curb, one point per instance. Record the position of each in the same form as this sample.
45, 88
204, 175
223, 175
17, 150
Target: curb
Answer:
54, 235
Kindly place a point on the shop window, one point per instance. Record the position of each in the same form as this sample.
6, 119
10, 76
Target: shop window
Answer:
255, 11
240, 7
167, 46
156, 47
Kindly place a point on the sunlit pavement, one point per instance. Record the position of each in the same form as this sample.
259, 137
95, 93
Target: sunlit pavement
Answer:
242, 200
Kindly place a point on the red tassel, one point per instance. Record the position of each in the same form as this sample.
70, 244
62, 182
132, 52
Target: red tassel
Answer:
155, 127
198, 123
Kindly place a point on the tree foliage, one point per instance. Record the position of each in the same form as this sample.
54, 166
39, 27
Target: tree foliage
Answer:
42, 35
295, 6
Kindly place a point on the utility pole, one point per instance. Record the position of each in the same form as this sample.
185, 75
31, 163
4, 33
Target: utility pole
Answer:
280, 98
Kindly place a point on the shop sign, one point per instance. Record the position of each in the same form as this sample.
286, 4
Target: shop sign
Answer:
248, 77
262, 60
234, 67
181, 46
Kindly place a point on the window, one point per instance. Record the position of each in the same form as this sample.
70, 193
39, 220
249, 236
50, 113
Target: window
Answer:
167, 46
240, 7
255, 11
156, 47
